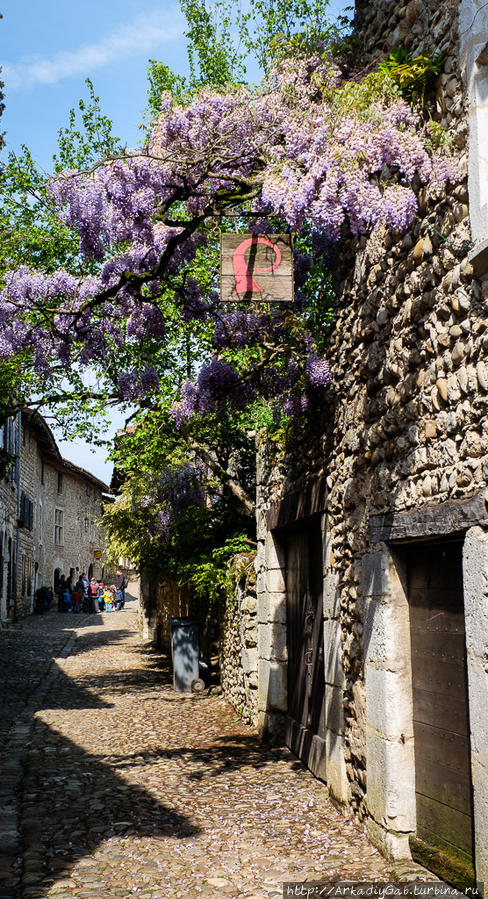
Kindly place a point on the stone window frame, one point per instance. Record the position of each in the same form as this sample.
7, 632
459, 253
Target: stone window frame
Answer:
60, 483
390, 750
58, 526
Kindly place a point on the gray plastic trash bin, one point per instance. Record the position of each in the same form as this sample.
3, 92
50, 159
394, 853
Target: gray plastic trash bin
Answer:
185, 634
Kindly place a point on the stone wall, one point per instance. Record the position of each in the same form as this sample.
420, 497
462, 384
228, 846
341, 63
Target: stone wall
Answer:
34, 549
422, 26
174, 601
404, 430
239, 640
408, 352
58, 485
160, 603
8, 521
229, 633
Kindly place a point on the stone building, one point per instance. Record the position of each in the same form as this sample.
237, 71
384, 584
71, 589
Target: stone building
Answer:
50, 512
372, 562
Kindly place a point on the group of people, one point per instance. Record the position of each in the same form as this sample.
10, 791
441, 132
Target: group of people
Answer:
91, 595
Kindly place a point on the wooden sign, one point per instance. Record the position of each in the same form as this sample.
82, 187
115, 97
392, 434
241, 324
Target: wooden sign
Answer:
256, 267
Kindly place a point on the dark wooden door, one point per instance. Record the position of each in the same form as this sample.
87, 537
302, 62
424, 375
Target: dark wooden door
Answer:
305, 637
11, 587
440, 709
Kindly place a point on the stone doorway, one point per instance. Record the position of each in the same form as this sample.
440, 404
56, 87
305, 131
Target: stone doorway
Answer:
306, 723
392, 674
443, 783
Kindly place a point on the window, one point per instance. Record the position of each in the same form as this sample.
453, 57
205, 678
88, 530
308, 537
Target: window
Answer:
39, 523
42, 471
58, 527
10, 447
26, 512
60, 481
9, 443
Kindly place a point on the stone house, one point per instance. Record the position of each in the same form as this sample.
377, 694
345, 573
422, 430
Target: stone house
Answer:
50, 513
371, 605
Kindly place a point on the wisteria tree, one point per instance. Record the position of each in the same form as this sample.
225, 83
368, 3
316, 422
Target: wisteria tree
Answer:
294, 148
307, 150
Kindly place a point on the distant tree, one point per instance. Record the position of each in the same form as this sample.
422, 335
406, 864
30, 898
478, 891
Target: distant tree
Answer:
33, 234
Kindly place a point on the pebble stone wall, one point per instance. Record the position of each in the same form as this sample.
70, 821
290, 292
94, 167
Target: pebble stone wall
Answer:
409, 353
160, 603
239, 640
406, 424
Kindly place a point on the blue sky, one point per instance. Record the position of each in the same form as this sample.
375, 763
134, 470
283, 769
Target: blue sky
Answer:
50, 47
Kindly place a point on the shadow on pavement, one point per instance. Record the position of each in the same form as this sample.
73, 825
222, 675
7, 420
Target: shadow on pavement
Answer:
224, 755
70, 694
91, 640
72, 802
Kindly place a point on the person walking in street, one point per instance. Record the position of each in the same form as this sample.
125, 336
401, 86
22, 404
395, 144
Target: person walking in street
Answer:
67, 600
77, 597
60, 591
86, 583
120, 587
92, 598
101, 596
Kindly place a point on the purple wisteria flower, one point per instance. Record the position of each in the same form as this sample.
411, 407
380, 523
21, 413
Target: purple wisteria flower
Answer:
318, 371
310, 161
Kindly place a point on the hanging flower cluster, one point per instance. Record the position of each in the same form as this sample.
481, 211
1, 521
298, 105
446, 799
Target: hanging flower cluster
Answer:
288, 148
175, 490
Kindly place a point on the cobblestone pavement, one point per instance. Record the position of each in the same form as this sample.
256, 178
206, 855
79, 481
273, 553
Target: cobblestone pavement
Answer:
130, 789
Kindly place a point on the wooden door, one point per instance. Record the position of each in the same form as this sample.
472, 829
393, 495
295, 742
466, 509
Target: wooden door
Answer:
305, 637
440, 710
11, 587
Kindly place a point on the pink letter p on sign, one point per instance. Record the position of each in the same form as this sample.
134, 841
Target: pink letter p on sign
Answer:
256, 268
242, 272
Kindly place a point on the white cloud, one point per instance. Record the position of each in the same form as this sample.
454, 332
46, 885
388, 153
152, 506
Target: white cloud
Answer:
143, 34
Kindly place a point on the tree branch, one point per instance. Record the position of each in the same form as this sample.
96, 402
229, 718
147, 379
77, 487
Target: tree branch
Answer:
233, 485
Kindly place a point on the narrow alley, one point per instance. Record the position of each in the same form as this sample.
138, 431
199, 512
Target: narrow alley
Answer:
113, 785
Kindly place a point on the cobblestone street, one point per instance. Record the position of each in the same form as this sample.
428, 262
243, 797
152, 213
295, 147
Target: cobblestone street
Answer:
113, 785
